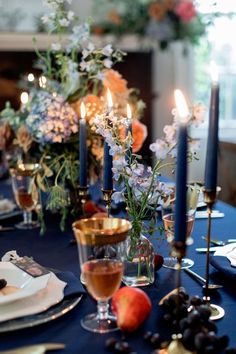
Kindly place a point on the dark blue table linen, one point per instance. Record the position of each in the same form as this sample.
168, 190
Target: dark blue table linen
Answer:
73, 287
54, 250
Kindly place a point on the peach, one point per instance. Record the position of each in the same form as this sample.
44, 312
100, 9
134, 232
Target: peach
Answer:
131, 307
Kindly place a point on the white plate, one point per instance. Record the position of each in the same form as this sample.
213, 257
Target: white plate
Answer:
6, 206
26, 283
41, 301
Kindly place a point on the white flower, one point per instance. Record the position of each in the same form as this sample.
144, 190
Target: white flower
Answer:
199, 111
100, 75
64, 22
107, 50
70, 15
194, 145
160, 148
45, 19
107, 63
56, 47
118, 197
170, 132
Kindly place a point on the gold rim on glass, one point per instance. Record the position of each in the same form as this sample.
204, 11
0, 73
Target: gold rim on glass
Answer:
101, 231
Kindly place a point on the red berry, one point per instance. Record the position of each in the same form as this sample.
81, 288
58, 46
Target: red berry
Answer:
158, 261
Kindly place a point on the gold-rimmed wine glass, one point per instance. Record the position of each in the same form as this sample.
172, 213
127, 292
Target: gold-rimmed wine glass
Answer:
99, 241
25, 192
168, 218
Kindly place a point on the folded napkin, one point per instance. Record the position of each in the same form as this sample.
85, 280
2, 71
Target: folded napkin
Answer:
204, 214
224, 260
228, 251
73, 287
223, 265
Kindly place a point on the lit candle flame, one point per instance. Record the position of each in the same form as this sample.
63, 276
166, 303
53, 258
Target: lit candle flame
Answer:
30, 77
109, 99
42, 81
181, 105
214, 71
129, 112
82, 110
24, 97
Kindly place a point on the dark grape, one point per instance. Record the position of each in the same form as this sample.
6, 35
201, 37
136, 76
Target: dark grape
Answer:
147, 336
210, 350
3, 283
200, 341
204, 312
196, 300
222, 342
110, 343
188, 338
230, 351
122, 347
155, 340
167, 317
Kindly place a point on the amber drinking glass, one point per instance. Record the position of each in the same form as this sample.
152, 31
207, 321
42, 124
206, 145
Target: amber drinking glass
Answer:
99, 241
25, 192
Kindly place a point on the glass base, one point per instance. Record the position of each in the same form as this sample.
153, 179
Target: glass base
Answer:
217, 312
27, 226
171, 263
93, 323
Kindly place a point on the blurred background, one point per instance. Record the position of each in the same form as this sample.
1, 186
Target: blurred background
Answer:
161, 55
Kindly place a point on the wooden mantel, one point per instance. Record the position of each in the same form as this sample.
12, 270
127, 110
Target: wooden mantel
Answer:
10, 41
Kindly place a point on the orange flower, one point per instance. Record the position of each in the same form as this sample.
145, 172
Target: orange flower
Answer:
115, 82
157, 11
139, 134
98, 30
114, 17
24, 138
169, 4
6, 136
93, 106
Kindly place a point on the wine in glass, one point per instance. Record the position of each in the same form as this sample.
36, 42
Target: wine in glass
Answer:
99, 241
168, 218
25, 193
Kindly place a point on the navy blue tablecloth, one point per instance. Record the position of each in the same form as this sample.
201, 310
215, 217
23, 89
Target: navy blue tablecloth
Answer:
55, 250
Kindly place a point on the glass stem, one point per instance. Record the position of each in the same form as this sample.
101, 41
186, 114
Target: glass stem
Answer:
102, 309
27, 215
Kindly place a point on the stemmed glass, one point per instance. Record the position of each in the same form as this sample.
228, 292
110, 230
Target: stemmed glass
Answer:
168, 218
25, 192
100, 242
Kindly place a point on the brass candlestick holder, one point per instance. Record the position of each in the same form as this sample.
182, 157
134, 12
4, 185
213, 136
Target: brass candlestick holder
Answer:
178, 251
210, 199
107, 194
82, 196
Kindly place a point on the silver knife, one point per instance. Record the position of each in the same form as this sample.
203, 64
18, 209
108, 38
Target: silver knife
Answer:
204, 249
35, 349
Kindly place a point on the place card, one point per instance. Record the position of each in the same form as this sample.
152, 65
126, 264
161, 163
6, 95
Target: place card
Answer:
31, 267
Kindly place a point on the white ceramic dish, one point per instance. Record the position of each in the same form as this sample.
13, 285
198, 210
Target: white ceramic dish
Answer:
27, 285
41, 301
6, 206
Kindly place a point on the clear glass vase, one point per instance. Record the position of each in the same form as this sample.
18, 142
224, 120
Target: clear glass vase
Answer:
138, 257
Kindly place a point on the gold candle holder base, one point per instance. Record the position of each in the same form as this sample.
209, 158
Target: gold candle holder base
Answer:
82, 196
210, 197
178, 251
107, 194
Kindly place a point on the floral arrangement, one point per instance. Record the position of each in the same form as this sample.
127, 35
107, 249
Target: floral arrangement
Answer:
140, 186
161, 20
46, 128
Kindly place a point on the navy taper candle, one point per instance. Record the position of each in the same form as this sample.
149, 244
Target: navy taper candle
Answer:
212, 142
181, 181
83, 149
107, 168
